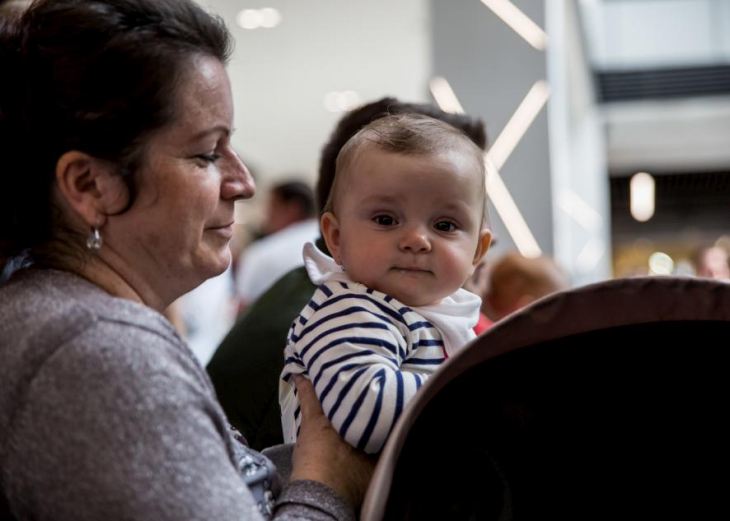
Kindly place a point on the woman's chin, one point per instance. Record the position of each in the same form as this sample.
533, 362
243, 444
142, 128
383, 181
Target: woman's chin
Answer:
224, 260
215, 265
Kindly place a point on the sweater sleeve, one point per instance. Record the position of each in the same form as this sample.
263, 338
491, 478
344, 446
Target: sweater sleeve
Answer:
118, 424
311, 501
353, 349
121, 423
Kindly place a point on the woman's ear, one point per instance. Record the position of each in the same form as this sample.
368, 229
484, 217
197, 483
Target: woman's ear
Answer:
90, 186
485, 239
331, 234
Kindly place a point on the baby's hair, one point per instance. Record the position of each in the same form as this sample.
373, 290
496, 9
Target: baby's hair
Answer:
407, 134
353, 121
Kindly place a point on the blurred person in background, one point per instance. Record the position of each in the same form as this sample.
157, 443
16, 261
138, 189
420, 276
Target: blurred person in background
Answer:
204, 315
516, 281
246, 367
289, 223
711, 262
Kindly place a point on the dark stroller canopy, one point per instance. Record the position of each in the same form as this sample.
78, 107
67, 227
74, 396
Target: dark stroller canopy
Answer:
605, 401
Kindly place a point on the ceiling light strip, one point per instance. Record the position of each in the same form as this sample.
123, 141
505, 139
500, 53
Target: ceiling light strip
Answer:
518, 124
444, 95
498, 192
519, 22
580, 211
509, 213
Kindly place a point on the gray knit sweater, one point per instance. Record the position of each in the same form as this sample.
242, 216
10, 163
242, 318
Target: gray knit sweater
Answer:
106, 414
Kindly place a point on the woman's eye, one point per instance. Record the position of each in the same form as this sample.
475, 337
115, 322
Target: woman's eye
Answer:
384, 220
208, 158
445, 226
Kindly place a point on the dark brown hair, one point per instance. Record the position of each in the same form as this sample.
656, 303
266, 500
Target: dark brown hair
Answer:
352, 122
406, 134
98, 76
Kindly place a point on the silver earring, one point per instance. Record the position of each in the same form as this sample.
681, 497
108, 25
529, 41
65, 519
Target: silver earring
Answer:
94, 241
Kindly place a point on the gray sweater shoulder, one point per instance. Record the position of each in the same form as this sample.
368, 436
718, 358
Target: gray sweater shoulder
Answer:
104, 409
105, 413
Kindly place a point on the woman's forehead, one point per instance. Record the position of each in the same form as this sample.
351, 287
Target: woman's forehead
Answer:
203, 103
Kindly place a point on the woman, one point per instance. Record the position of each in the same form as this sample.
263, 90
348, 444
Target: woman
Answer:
119, 181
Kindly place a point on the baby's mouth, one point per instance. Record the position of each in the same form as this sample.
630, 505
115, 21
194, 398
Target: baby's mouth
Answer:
411, 269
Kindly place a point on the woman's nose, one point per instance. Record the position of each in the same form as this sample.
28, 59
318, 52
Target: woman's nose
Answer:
415, 240
237, 180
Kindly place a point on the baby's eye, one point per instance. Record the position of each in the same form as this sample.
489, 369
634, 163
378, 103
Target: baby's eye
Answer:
445, 226
384, 220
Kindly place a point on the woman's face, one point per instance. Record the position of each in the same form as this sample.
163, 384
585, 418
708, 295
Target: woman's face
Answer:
176, 233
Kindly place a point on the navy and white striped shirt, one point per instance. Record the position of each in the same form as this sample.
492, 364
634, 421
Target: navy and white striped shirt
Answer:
366, 354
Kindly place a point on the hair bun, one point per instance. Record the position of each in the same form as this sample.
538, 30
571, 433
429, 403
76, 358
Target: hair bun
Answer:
11, 131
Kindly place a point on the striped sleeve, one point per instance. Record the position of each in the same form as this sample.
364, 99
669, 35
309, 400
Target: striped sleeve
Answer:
352, 348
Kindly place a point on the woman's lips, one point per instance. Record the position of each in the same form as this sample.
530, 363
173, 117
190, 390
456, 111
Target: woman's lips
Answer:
225, 230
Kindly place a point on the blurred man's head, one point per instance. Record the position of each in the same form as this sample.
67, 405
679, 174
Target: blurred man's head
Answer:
288, 203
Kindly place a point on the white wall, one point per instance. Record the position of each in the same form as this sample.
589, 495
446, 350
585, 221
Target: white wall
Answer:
281, 75
626, 34
579, 176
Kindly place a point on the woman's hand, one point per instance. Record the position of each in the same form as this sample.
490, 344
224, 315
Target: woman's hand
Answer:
321, 454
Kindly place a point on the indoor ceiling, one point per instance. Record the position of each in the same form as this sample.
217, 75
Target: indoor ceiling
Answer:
662, 70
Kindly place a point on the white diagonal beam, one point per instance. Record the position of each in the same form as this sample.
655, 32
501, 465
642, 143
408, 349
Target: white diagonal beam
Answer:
519, 22
499, 194
518, 124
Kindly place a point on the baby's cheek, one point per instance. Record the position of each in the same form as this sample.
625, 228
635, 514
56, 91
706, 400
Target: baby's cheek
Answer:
460, 264
458, 257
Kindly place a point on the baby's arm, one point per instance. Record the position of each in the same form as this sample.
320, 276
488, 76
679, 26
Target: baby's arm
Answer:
354, 352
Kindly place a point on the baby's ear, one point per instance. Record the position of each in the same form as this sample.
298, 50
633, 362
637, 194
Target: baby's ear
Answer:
331, 234
485, 239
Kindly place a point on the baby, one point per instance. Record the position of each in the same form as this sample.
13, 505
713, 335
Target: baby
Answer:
405, 223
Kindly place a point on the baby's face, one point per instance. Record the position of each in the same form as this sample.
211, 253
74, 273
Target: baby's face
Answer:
408, 226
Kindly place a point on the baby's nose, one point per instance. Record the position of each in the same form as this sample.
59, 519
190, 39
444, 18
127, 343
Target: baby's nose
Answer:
415, 240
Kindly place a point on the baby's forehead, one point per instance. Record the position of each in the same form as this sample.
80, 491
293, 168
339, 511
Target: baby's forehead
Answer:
447, 175
369, 151
458, 165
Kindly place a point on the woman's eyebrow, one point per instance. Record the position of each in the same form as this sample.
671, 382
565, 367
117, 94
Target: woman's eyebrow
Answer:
218, 129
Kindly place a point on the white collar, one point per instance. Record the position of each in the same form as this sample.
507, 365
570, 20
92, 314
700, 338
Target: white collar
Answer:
454, 316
